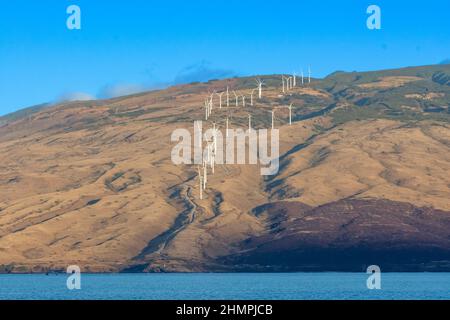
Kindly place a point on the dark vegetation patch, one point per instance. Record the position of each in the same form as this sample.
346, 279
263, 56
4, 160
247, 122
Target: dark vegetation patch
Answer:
92, 202
347, 235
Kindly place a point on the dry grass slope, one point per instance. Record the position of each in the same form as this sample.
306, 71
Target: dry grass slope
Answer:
93, 184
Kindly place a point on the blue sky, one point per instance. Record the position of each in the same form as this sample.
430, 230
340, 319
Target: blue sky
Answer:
127, 46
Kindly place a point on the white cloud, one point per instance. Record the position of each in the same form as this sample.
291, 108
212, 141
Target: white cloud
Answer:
76, 96
118, 90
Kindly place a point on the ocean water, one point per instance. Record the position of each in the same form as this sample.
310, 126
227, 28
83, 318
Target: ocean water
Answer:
289, 286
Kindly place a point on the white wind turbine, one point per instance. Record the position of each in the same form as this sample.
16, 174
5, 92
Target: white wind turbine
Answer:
207, 109
273, 116
302, 78
251, 97
236, 98
294, 76
220, 99
309, 74
228, 98
226, 131
212, 99
282, 79
260, 84
211, 155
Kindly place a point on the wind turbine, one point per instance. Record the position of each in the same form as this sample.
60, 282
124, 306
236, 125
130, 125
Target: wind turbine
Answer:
243, 100
211, 155
228, 98
302, 78
282, 79
226, 132
309, 74
260, 84
273, 111
294, 76
249, 123
212, 100
236, 98
220, 99
251, 97
208, 107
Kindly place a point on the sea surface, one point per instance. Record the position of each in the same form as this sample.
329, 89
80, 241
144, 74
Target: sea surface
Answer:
289, 286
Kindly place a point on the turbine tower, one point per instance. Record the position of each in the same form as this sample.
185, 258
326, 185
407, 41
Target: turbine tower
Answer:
295, 79
226, 132
251, 97
236, 98
228, 98
309, 74
302, 78
220, 99
260, 84
249, 123
212, 100
273, 111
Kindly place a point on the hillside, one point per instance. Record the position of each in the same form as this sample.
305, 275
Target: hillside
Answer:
364, 179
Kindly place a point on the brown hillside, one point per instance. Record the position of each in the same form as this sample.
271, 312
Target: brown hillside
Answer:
92, 183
